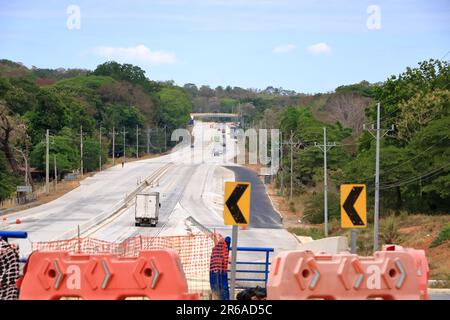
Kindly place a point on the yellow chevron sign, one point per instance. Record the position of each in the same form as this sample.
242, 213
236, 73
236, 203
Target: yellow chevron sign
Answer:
353, 206
236, 209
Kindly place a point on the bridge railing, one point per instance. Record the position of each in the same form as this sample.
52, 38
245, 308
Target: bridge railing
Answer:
254, 275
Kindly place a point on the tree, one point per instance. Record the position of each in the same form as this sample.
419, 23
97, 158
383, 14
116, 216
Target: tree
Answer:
12, 132
127, 72
65, 146
422, 108
8, 181
123, 116
174, 108
49, 113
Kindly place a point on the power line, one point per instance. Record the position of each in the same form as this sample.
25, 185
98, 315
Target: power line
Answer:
410, 180
415, 157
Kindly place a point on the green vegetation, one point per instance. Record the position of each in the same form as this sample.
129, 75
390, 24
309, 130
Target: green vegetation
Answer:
63, 101
415, 157
314, 208
414, 170
443, 236
414, 166
313, 232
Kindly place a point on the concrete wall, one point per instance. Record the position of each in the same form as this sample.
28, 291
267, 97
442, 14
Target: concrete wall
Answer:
331, 245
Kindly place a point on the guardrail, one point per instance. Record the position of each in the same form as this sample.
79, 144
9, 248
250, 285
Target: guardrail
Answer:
116, 208
266, 265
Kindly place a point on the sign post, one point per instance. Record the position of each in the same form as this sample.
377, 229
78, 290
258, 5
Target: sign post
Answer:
236, 212
234, 240
353, 240
353, 209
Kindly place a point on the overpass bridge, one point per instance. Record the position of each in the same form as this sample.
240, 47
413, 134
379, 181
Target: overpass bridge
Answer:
214, 115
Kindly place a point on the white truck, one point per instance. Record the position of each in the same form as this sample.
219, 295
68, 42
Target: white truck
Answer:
146, 209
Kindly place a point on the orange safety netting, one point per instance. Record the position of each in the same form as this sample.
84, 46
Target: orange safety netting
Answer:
199, 254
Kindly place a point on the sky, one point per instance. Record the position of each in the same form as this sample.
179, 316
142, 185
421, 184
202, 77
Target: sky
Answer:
307, 46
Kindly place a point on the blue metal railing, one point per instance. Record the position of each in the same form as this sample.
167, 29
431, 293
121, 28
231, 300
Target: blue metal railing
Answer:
13, 234
266, 265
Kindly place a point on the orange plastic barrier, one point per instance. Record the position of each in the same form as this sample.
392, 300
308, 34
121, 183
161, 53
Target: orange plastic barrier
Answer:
155, 274
420, 263
393, 273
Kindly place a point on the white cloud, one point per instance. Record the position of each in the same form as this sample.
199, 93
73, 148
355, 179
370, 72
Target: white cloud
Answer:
285, 48
319, 48
139, 53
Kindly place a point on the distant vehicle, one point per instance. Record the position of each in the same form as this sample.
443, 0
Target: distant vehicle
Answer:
217, 152
224, 144
192, 145
146, 209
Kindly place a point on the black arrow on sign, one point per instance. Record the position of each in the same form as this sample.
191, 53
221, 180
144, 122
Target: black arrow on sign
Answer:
232, 203
349, 206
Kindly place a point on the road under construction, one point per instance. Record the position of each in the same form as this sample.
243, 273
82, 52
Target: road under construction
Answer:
190, 181
191, 184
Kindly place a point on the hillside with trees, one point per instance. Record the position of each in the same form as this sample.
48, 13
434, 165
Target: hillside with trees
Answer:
68, 102
414, 157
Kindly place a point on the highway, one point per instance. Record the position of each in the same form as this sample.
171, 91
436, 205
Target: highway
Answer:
191, 184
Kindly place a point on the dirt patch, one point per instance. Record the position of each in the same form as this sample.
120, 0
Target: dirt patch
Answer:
409, 230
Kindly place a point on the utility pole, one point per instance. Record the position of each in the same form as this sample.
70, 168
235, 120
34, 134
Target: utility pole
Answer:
124, 144
137, 141
325, 147
377, 175
148, 140
165, 137
113, 146
26, 172
292, 163
298, 145
56, 173
81, 149
47, 164
100, 155
281, 165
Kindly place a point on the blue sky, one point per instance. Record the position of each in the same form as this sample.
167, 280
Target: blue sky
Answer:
307, 46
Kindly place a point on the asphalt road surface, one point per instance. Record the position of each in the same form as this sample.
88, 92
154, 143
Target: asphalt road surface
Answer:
263, 214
